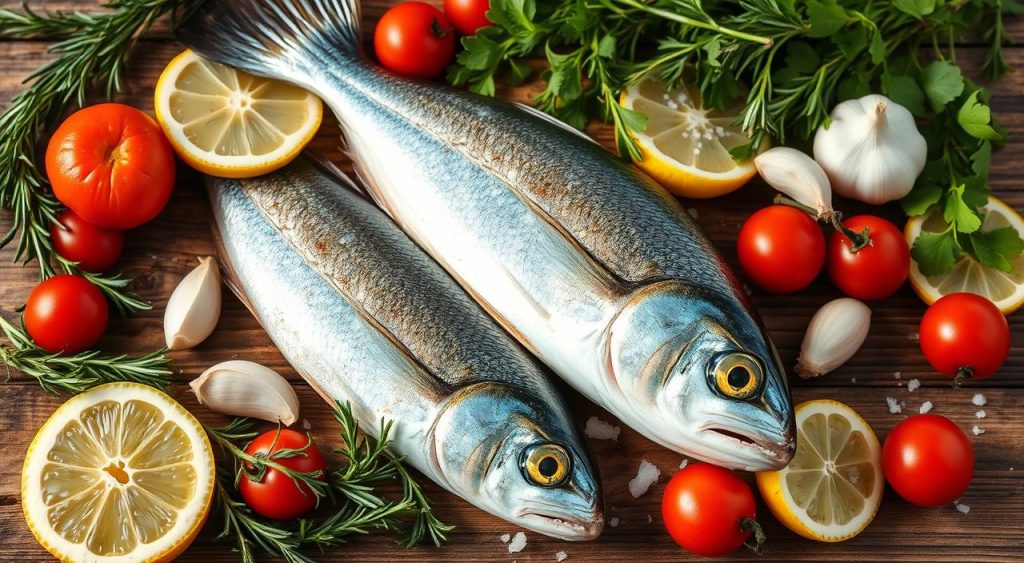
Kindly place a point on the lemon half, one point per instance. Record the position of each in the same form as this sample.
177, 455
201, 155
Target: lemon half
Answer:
832, 488
228, 123
121, 472
685, 146
1004, 289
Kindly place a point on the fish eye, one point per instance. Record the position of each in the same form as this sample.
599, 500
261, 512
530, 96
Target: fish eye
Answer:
546, 465
736, 375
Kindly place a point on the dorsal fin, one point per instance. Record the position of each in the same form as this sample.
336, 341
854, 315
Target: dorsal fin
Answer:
554, 121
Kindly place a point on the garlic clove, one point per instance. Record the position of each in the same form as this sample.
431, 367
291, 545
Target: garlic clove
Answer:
871, 150
243, 388
194, 307
834, 335
798, 176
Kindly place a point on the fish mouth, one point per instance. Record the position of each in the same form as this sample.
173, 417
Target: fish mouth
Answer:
751, 453
563, 526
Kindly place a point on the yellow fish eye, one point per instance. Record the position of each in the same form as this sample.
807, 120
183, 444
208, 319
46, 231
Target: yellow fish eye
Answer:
546, 465
737, 375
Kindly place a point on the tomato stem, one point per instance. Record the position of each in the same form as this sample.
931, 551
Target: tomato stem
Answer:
834, 218
437, 29
751, 525
962, 375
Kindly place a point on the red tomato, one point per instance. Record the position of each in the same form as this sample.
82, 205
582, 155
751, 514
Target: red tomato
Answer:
112, 165
277, 495
66, 314
704, 507
781, 249
965, 335
468, 16
875, 271
414, 39
94, 248
928, 460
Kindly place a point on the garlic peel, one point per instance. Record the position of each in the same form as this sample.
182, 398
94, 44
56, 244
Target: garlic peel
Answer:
834, 335
871, 150
194, 307
798, 176
243, 388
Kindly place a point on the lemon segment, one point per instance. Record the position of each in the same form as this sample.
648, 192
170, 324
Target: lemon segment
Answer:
1004, 289
121, 472
832, 488
228, 123
686, 147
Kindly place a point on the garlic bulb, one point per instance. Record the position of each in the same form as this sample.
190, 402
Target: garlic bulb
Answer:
194, 307
872, 150
798, 176
835, 334
242, 388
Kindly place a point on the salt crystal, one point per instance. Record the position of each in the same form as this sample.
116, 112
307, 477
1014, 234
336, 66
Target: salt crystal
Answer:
306, 424
720, 131
925, 407
682, 465
649, 519
561, 556
914, 336
600, 430
672, 104
853, 380
518, 543
646, 476
708, 135
505, 538
961, 507
853, 474
613, 521
913, 385
696, 150
980, 413
978, 431
979, 400
897, 375
894, 406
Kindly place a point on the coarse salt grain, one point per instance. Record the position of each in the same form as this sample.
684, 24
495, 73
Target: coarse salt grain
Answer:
897, 375
601, 430
518, 543
914, 336
649, 519
613, 521
980, 414
505, 538
977, 430
979, 400
913, 385
682, 465
561, 556
925, 407
853, 475
894, 406
646, 475
961, 507
853, 380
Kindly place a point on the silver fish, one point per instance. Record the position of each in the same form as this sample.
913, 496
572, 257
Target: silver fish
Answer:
595, 268
365, 316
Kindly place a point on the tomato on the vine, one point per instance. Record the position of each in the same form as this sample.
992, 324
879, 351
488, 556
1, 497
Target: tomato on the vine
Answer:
781, 249
414, 39
66, 314
468, 16
928, 460
94, 248
708, 510
112, 165
869, 271
964, 335
275, 494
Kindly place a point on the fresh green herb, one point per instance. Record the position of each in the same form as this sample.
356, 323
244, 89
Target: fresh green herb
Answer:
357, 506
76, 373
785, 64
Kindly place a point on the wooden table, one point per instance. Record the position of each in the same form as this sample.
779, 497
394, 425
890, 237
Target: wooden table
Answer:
160, 253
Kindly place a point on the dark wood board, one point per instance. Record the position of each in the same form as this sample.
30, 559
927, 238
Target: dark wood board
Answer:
160, 253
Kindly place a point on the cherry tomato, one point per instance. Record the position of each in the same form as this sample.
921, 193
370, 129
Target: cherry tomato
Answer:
277, 495
66, 314
781, 249
414, 39
965, 335
874, 271
468, 16
94, 248
112, 165
928, 460
707, 510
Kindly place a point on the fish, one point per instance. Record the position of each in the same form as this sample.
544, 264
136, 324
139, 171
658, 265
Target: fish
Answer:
366, 317
589, 263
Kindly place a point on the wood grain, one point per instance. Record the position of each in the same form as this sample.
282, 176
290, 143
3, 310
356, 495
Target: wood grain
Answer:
160, 253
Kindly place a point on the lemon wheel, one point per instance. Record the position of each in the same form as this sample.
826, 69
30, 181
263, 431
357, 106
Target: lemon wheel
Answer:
1005, 289
686, 146
228, 123
832, 488
121, 472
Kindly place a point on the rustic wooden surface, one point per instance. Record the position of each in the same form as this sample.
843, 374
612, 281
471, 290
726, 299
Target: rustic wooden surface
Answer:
160, 253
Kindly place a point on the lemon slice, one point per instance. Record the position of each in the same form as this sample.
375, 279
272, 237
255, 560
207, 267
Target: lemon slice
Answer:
1006, 290
121, 472
831, 489
686, 147
227, 123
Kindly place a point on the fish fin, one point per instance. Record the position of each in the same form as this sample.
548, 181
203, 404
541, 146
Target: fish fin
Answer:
554, 121
275, 38
332, 170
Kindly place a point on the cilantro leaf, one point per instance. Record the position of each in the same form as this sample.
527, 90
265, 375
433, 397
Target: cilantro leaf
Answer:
916, 8
997, 248
921, 198
826, 17
976, 119
479, 52
943, 82
935, 253
904, 91
958, 213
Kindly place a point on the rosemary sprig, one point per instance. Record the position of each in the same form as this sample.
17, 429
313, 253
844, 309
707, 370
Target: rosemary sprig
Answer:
78, 372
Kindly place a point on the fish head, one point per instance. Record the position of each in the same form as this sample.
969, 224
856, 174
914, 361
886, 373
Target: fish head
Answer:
505, 452
714, 380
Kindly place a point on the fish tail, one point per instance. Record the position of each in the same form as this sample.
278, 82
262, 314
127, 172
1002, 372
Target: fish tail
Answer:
282, 39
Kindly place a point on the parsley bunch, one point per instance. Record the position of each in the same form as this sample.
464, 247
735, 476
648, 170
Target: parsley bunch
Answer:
785, 64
